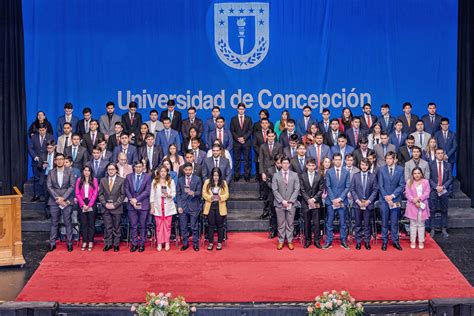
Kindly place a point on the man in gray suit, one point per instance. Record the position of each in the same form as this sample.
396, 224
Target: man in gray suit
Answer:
421, 137
383, 148
286, 188
154, 125
60, 185
107, 121
111, 196
416, 161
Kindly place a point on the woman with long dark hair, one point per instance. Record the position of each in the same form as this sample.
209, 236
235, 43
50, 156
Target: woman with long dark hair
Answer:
40, 120
280, 125
193, 133
175, 159
140, 139
215, 193
345, 121
87, 190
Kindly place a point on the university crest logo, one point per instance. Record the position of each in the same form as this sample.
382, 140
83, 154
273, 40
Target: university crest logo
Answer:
242, 33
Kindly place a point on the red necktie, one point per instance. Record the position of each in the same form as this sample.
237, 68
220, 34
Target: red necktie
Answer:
285, 177
369, 121
264, 136
440, 174
356, 135
270, 147
220, 136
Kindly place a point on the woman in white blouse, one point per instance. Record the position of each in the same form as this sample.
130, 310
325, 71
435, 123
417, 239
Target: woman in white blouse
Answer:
374, 137
162, 193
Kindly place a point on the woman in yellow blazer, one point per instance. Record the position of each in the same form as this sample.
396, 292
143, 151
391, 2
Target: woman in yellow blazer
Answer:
215, 193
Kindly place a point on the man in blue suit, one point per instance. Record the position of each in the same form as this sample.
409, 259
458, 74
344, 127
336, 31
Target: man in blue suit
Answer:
441, 180
188, 198
67, 117
216, 161
37, 148
337, 186
391, 181
210, 125
397, 137
386, 120
447, 140
342, 147
167, 136
319, 150
305, 122
355, 133
364, 192
222, 134
125, 147
432, 120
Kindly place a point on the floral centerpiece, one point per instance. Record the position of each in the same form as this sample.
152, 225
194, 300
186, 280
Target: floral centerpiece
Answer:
163, 305
335, 303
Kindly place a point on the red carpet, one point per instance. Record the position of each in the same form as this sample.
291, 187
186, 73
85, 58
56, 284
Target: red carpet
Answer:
249, 269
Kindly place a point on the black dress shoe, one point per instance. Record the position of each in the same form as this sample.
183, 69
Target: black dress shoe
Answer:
261, 198
367, 245
107, 248
35, 198
116, 248
69, 248
141, 249
272, 235
264, 215
327, 245
134, 248
236, 179
307, 244
358, 246
317, 244
247, 179
184, 247
52, 248
384, 246
397, 246
196, 248
344, 245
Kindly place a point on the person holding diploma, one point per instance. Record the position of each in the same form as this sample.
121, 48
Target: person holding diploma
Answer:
162, 193
215, 194
417, 192
87, 190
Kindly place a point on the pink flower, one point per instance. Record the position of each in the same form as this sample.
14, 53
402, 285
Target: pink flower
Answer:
343, 292
333, 291
193, 309
160, 294
168, 294
133, 308
353, 300
325, 293
317, 298
328, 305
359, 305
310, 309
339, 302
152, 294
165, 303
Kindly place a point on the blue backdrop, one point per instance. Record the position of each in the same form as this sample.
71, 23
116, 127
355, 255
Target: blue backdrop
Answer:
274, 54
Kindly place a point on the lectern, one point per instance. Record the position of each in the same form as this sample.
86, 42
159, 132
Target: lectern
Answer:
11, 246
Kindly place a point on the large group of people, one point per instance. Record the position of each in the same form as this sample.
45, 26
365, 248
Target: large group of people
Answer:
168, 167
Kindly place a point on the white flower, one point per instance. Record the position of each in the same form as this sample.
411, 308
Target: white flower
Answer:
165, 303
353, 300
328, 305
317, 298
133, 308
333, 291
310, 309
339, 302
193, 309
325, 293
343, 292
359, 305
168, 294
160, 294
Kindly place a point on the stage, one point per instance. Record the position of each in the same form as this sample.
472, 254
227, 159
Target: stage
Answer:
248, 270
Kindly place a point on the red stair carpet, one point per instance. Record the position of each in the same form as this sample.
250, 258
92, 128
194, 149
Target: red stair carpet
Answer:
249, 269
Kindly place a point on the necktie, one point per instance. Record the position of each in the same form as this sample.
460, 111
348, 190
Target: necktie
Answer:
220, 136
398, 138
87, 126
168, 135
41, 140
170, 115
369, 121
337, 174
384, 150
440, 174
364, 182
445, 136
66, 143
132, 117
216, 163
137, 183
192, 122
188, 181
302, 163
124, 150
318, 154
356, 135
96, 166
285, 177
408, 120
386, 121
270, 147
93, 138
325, 127
292, 152
311, 178
416, 162
391, 171
421, 139
196, 155
264, 136
111, 184
50, 163
241, 118
306, 123
103, 154
74, 153
432, 120
118, 139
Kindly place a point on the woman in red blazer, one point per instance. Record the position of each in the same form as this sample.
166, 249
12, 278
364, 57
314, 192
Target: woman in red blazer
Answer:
87, 190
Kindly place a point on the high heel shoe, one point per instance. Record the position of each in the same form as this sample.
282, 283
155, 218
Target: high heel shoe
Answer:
84, 245
160, 246
91, 245
167, 246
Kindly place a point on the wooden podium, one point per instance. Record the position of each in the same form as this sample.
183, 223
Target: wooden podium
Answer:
11, 246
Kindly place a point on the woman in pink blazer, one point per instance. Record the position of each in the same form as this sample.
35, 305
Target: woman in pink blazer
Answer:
87, 190
417, 192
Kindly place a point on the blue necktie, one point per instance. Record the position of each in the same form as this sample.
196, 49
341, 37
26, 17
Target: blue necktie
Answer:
74, 154
364, 182
302, 164
137, 183
96, 166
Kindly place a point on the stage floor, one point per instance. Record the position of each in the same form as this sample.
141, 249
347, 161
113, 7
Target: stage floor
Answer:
249, 269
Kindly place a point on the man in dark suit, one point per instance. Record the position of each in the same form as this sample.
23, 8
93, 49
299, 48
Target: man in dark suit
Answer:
167, 136
78, 153
341, 147
432, 120
323, 126
210, 125
189, 157
330, 138
267, 153
132, 120
111, 196
298, 162
67, 117
312, 186
408, 119
188, 198
355, 133
441, 180
125, 147
362, 152
391, 183
318, 150
216, 161
199, 155
447, 140
405, 152
241, 130
91, 138
367, 119
364, 192
222, 134
98, 164
303, 124
104, 153
386, 120
192, 121
37, 147
397, 137
259, 138
114, 139
152, 154
173, 115
60, 184
137, 190
83, 125
290, 151
286, 135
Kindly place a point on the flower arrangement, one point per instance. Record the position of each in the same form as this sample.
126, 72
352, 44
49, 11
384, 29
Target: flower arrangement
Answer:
335, 303
163, 305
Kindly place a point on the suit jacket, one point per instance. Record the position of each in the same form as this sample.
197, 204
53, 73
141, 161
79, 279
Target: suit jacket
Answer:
358, 155
431, 128
337, 149
410, 165
175, 122
257, 140
426, 138
295, 165
82, 157
245, 132
386, 127
300, 125
81, 127
352, 172
380, 153
411, 210
143, 193
107, 127
208, 165
285, 139
325, 152
285, 192
328, 139
116, 195
164, 142
99, 172
408, 129
127, 124
81, 193
403, 155
185, 201
197, 170
113, 142
132, 154
227, 141
207, 197
449, 145
158, 127
156, 159
186, 125
322, 128
394, 140
257, 127
351, 140
287, 152
364, 125
87, 141
337, 188
66, 190
447, 179
265, 158
107, 156
62, 120
61, 144
370, 193
308, 191
391, 185
187, 145
209, 127
35, 148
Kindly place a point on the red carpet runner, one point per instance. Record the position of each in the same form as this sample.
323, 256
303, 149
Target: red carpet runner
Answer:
249, 269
